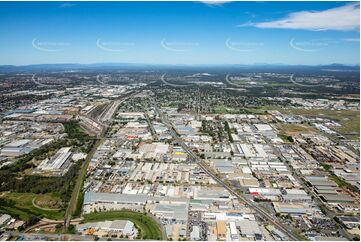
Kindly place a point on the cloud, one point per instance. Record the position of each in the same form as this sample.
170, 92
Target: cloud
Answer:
352, 40
342, 18
215, 2
67, 5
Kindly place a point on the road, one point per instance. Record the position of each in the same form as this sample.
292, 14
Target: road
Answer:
264, 214
172, 85
47, 223
328, 212
233, 84
302, 85
44, 237
98, 79
151, 127
37, 82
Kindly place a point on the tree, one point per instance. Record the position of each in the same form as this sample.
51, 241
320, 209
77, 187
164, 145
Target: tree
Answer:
32, 220
71, 229
290, 138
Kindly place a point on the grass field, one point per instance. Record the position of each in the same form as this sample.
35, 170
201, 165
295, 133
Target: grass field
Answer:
221, 109
294, 129
149, 228
349, 120
22, 205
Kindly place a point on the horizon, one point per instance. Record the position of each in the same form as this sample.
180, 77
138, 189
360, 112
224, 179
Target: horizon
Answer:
180, 33
189, 65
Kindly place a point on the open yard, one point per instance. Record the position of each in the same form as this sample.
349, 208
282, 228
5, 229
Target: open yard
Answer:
349, 120
23, 205
295, 129
221, 109
149, 228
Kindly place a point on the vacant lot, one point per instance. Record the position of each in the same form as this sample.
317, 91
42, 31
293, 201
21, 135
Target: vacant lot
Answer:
349, 120
295, 129
22, 205
149, 228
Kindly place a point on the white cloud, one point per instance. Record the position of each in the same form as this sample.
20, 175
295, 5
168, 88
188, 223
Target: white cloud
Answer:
215, 2
67, 5
342, 18
352, 40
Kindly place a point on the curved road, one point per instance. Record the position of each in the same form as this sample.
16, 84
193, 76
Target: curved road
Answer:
170, 84
231, 83
302, 85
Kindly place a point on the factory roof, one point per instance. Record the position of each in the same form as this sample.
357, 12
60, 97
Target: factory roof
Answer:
92, 197
248, 227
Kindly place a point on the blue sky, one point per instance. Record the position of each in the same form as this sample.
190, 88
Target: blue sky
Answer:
179, 32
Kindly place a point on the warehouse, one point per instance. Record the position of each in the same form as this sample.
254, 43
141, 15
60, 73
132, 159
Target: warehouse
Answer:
249, 228
58, 163
291, 208
320, 181
223, 165
215, 194
171, 212
264, 191
349, 222
296, 195
221, 230
98, 197
340, 198
124, 227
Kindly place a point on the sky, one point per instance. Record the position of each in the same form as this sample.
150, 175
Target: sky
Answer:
309, 33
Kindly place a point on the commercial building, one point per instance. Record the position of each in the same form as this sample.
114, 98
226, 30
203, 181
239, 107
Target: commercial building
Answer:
124, 227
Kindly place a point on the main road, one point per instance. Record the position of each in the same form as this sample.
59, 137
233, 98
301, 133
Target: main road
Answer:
264, 214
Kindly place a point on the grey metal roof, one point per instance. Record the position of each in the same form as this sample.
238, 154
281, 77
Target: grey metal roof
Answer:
92, 197
248, 227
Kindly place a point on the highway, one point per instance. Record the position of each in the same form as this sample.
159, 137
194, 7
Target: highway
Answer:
264, 214
231, 83
98, 79
37, 82
302, 85
171, 84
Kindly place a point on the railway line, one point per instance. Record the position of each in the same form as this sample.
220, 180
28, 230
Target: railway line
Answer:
264, 214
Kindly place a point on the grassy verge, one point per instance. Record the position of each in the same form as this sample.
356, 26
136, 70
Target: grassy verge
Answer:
79, 205
337, 180
73, 207
342, 183
149, 228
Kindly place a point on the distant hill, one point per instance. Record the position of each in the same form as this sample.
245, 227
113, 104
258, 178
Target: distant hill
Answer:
131, 66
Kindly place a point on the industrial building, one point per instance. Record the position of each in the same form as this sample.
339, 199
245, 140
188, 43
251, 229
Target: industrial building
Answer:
124, 227
59, 163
